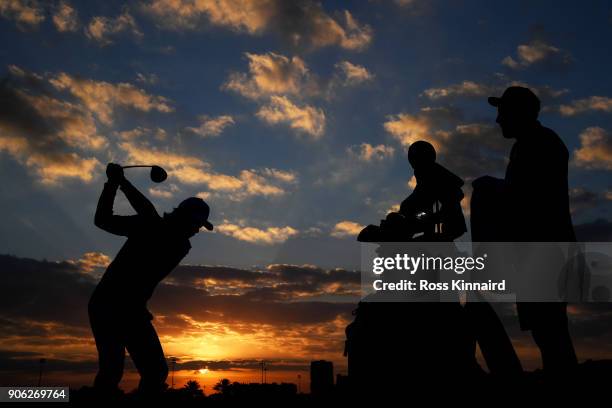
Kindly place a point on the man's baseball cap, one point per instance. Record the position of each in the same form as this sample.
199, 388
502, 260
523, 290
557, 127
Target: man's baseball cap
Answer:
517, 99
198, 210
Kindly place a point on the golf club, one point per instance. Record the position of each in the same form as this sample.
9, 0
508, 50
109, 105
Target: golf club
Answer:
158, 174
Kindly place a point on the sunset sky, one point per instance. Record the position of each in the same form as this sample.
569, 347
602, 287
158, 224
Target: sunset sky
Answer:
292, 120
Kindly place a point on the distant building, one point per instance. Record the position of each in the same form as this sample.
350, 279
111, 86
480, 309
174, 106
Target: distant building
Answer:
321, 377
342, 382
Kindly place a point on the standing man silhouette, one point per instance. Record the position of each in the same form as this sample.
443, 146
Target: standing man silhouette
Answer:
118, 307
536, 209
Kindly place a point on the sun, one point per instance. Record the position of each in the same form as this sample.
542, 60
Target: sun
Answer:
203, 371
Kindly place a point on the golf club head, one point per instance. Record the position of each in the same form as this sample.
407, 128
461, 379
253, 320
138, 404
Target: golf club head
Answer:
158, 174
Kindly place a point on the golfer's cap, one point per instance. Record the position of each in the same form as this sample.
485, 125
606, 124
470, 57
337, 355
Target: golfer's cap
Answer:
198, 210
517, 98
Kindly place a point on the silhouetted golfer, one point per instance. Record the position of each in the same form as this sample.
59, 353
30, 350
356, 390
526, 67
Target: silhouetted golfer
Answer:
118, 307
530, 205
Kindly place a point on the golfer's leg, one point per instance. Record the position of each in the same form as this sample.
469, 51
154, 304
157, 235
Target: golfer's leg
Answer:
146, 352
553, 338
111, 352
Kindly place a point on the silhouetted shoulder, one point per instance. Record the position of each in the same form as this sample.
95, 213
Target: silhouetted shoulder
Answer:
447, 177
551, 142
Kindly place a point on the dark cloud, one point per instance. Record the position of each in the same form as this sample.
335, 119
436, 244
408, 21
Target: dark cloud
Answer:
41, 291
583, 199
599, 230
230, 365
470, 149
189, 274
592, 320
20, 361
42, 132
305, 24
539, 53
475, 149
263, 309
18, 115
302, 24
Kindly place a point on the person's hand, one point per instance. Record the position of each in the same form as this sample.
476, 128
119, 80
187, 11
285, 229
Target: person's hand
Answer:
114, 172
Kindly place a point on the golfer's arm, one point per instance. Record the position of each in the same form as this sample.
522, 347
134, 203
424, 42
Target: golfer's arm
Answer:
138, 201
105, 219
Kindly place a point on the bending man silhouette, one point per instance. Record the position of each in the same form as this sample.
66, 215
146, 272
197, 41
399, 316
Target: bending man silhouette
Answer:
118, 307
436, 197
432, 210
413, 338
534, 208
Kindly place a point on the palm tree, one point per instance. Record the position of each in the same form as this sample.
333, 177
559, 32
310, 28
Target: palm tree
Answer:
222, 386
193, 388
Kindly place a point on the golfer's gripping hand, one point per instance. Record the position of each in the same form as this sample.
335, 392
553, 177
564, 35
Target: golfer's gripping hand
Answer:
114, 172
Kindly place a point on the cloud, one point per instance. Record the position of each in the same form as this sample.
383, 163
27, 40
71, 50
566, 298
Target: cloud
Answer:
469, 149
143, 153
345, 32
407, 129
165, 192
590, 104
281, 84
215, 311
52, 168
149, 79
43, 132
248, 183
405, 3
247, 16
266, 236
368, 153
139, 132
97, 97
345, 229
271, 74
24, 295
411, 184
536, 53
102, 29
599, 230
212, 126
471, 89
253, 183
281, 175
65, 17
302, 24
353, 74
203, 293
77, 125
191, 170
475, 149
582, 199
102, 98
26, 13
595, 151
465, 88
91, 261
160, 193
43, 313
305, 119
